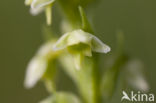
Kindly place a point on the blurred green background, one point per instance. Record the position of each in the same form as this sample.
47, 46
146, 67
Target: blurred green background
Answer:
21, 36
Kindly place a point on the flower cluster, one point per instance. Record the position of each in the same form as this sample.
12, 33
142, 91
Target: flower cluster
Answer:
77, 47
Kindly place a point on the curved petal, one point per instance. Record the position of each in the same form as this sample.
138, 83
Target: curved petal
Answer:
98, 46
62, 42
35, 12
79, 36
36, 4
35, 71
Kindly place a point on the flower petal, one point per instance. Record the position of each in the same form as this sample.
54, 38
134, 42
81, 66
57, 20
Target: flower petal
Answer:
62, 42
98, 46
35, 71
39, 64
79, 36
36, 4
35, 12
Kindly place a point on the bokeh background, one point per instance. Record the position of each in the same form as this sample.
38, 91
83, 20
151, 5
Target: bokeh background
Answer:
21, 36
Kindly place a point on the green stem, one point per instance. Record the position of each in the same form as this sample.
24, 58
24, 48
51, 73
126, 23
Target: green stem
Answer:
96, 79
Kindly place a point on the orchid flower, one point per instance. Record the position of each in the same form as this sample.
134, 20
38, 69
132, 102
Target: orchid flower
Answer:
37, 6
80, 43
38, 66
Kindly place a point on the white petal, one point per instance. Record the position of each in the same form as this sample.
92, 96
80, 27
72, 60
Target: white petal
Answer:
35, 71
36, 4
98, 46
45, 49
35, 12
61, 43
79, 36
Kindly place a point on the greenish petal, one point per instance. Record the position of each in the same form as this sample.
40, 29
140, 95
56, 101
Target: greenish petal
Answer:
35, 71
82, 42
35, 12
62, 42
36, 4
73, 38
98, 46
40, 64
79, 36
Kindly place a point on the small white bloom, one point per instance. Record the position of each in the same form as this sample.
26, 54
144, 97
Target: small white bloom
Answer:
39, 64
79, 44
37, 6
80, 37
35, 70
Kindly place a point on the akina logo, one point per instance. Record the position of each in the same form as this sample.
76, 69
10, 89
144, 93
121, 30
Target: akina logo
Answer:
137, 97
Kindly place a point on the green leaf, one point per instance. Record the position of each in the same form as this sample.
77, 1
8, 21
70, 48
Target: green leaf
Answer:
85, 23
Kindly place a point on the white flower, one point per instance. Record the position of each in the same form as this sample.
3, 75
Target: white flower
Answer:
79, 44
37, 6
38, 66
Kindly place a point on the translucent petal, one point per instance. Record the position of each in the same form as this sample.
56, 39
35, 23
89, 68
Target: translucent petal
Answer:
72, 38
62, 42
45, 49
98, 46
82, 42
35, 12
39, 65
36, 4
35, 71
79, 36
